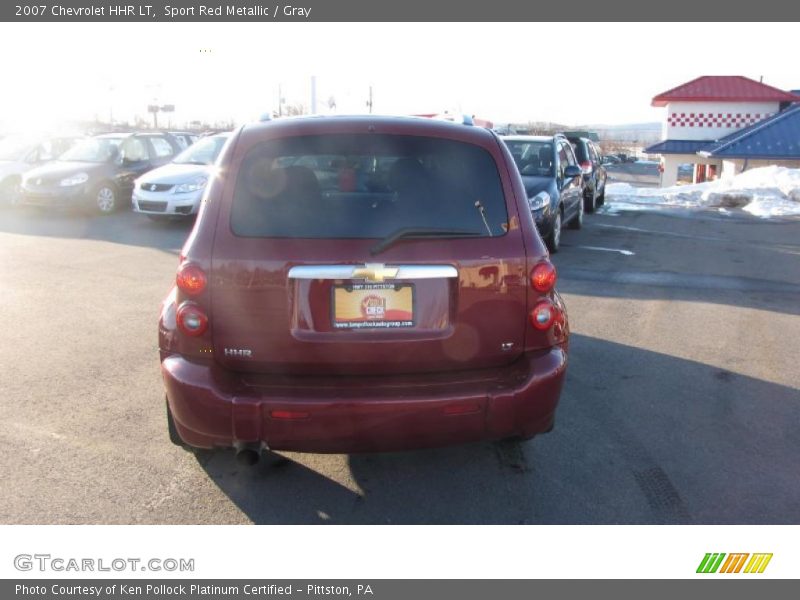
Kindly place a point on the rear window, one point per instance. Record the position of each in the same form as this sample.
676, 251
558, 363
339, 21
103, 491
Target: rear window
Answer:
595, 153
533, 158
366, 186
580, 151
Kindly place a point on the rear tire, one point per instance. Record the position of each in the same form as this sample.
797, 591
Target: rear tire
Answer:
601, 199
577, 220
590, 203
553, 240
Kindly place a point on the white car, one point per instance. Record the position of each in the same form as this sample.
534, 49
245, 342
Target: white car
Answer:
19, 154
175, 190
185, 139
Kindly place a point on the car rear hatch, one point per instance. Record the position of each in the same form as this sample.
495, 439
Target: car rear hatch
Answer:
368, 254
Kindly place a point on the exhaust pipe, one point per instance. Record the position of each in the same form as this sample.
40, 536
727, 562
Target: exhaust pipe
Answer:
247, 456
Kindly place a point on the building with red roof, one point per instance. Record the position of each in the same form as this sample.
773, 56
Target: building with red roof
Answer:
704, 111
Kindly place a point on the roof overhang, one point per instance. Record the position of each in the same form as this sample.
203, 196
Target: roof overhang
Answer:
678, 146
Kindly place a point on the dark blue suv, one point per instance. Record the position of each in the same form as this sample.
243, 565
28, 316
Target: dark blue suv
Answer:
553, 181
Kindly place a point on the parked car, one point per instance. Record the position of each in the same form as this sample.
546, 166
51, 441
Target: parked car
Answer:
307, 315
99, 172
553, 183
174, 190
594, 172
19, 154
610, 159
184, 138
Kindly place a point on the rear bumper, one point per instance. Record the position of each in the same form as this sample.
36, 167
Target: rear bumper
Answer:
214, 408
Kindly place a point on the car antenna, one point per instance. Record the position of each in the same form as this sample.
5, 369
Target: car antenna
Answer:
481, 210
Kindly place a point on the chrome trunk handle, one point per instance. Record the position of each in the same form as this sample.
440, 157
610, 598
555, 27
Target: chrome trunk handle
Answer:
373, 272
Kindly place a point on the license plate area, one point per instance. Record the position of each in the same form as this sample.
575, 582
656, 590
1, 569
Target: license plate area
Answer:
373, 306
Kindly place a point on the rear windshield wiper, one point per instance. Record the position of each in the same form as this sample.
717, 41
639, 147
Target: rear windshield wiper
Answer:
421, 232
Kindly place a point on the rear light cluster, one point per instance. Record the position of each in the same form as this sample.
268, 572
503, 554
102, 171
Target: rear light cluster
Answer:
586, 167
191, 279
192, 319
543, 280
543, 277
543, 315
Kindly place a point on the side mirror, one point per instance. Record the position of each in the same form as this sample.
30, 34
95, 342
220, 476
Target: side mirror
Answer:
113, 154
572, 171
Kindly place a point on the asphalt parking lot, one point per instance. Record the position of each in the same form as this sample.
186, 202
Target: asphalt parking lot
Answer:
642, 174
681, 405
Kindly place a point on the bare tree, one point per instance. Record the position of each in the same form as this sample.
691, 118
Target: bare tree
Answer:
292, 110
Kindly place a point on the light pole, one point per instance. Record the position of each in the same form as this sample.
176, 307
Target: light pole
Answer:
280, 101
155, 109
111, 105
313, 95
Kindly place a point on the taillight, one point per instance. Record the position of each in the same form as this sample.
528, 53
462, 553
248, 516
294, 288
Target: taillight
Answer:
191, 319
191, 279
543, 315
586, 167
543, 277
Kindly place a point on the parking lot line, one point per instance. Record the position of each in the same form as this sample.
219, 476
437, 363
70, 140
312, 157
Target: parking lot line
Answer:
600, 249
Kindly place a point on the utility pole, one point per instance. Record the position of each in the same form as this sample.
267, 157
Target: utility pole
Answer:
313, 95
111, 105
280, 101
369, 102
155, 109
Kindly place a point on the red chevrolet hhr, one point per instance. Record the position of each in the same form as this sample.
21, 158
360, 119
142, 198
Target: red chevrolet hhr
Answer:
359, 284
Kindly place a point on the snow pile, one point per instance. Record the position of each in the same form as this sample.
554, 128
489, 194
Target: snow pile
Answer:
764, 192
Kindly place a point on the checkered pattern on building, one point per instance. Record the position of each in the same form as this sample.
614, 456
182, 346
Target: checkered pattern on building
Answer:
715, 119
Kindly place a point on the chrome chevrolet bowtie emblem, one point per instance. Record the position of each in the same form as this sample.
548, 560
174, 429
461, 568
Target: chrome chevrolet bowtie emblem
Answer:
153, 187
374, 272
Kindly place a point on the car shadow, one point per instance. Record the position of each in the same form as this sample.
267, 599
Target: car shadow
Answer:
641, 437
713, 261
761, 294
123, 227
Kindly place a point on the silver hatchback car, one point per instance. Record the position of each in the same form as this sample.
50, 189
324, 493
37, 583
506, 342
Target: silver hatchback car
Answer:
175, 190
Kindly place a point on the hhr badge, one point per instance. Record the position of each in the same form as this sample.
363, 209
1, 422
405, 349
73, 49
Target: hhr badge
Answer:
238, 352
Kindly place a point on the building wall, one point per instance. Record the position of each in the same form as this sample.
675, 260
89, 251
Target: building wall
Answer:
735, 166
671, 162
712, 120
